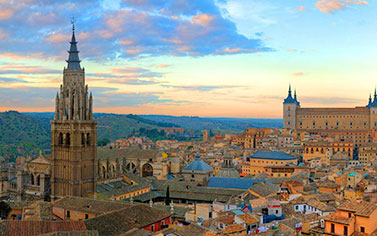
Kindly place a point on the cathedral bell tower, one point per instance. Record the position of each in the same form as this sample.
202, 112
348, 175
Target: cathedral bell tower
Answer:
73, 133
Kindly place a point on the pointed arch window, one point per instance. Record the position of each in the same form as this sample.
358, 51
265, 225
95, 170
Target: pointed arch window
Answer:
82, 139
88, 139
68, 139
60, 141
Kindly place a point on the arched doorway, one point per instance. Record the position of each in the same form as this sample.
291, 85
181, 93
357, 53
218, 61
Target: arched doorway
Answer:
112, 171
147, 170
103, 172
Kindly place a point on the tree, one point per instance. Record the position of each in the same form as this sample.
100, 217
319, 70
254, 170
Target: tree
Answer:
4, 210
103, 142
167, 198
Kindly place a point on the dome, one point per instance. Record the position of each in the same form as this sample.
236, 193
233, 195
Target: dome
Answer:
198, 165
228, 173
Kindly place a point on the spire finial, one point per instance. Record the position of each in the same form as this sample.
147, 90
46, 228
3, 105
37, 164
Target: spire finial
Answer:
289, 90
73, 23
73, 58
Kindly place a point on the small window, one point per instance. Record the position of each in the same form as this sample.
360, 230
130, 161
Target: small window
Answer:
332, 228
88, 139
83, 139
68, 139
68, 214
60, 139
362, 229
152, 228
86, 216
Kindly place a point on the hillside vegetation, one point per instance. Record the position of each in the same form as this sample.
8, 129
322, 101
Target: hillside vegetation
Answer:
23, 134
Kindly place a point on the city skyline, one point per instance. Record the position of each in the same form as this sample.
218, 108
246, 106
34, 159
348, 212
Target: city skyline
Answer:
191, 58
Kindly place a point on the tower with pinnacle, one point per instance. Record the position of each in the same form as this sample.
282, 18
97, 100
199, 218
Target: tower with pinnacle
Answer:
290, 106
73, 133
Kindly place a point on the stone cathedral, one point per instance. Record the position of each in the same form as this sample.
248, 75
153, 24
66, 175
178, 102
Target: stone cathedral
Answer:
73, 168
73, 133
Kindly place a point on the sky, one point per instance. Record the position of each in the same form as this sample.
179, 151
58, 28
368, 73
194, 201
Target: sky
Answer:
212, 58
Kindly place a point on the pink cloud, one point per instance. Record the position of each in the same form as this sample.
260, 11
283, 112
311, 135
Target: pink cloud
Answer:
13, 56
23, 68
298, 74
118, 22
106, 34
41, 19
236, 50
300, 8
3, 34
203, 19
5, 14
329, 6
126, 42
162, 65
59, 38
232, 50
133, 50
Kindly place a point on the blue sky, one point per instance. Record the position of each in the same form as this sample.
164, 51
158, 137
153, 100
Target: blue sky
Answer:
230, 58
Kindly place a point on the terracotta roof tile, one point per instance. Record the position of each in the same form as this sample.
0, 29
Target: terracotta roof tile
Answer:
248, 219
362, 208
233, 229
31, 228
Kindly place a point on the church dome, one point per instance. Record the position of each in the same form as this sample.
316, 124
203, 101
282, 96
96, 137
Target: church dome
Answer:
228, 173
227, 170
198, 165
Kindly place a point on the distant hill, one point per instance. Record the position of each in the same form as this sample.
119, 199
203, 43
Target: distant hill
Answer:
24, 134
236, 124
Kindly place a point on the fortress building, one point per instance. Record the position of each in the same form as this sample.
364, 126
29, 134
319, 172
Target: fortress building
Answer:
358, 123
73, 133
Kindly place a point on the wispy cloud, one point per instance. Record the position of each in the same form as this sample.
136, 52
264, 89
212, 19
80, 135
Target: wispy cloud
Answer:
330, 6
201, 88
298, 74
330, 100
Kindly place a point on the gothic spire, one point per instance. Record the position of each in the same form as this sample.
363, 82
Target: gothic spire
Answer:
375, 95
73, 58
295, 96
289, 91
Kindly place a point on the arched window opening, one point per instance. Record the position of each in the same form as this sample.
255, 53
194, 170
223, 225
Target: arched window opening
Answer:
82, 139
60, 139
39, 180
68, 139
32, 179
103, 172
88, 139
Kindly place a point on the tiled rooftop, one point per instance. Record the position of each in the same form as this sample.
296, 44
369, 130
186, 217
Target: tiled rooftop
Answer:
272, 155
362, 208
34, 228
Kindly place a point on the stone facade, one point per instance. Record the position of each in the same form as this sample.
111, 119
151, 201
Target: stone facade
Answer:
73, 134
327, 119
